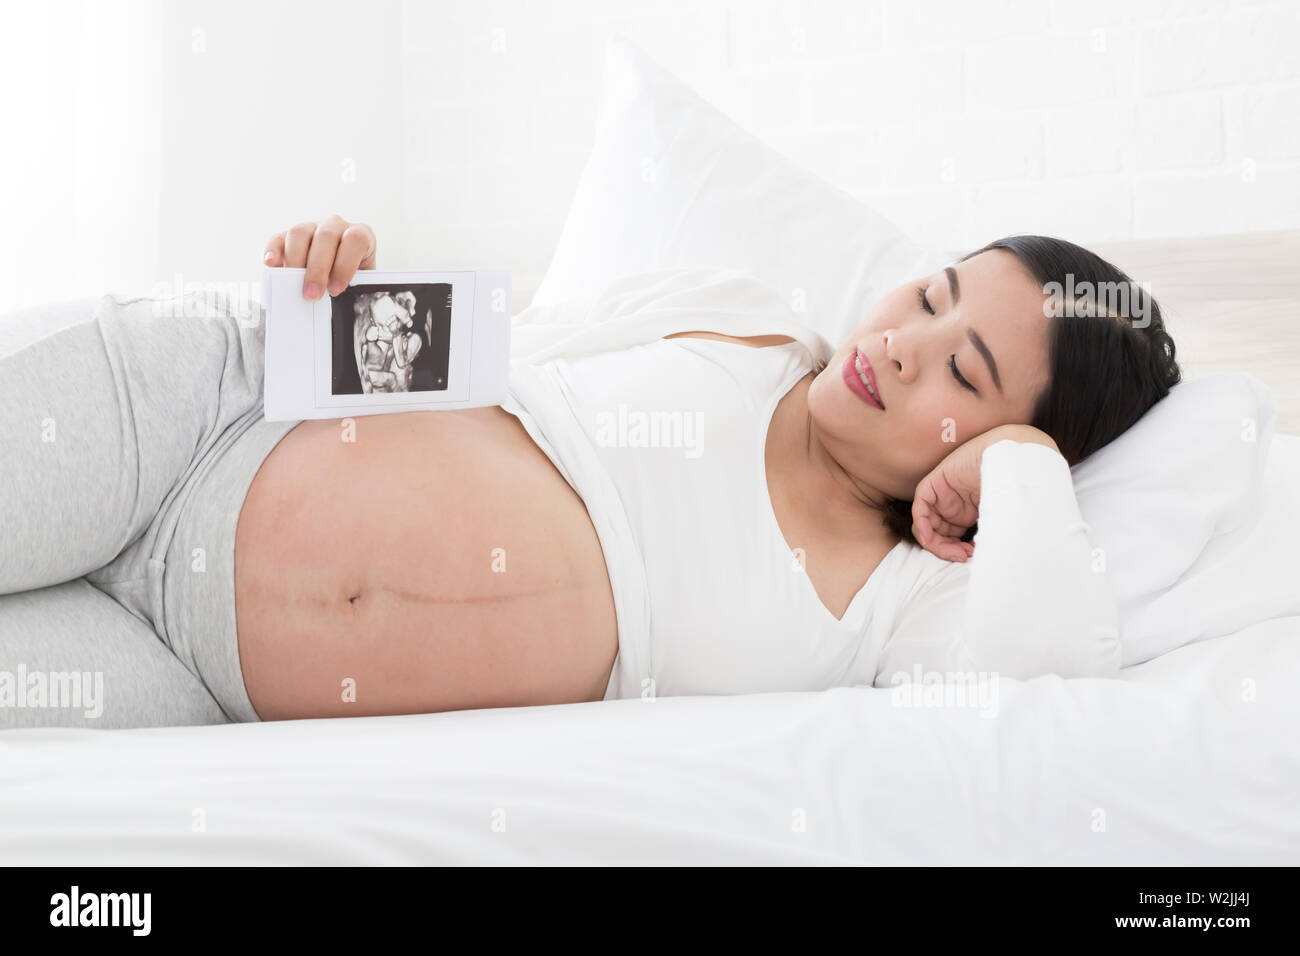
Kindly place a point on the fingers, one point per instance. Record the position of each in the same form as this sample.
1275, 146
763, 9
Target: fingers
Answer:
331, 252
936, 533
274, 254
297, 241
324, 246
947, 500
947, 529
923, 522
356, 250
950, 549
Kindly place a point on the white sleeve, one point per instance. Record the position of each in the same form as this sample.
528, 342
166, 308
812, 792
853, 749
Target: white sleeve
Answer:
1033, 599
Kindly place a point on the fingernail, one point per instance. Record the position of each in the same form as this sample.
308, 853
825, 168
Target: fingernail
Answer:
268, 256
336, 288
311, 290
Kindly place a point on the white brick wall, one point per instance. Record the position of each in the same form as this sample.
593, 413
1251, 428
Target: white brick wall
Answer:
459, 128
960, 120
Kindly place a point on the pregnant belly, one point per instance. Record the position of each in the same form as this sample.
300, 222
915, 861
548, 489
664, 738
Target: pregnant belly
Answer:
437, 561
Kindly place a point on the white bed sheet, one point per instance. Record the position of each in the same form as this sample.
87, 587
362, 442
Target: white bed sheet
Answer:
1189, 759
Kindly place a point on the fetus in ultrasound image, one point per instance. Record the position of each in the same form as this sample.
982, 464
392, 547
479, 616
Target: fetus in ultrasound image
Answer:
390, 338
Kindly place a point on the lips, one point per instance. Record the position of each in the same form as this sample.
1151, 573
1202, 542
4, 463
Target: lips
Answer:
855, 379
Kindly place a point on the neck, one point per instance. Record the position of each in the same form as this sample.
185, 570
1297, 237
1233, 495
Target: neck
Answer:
846, 503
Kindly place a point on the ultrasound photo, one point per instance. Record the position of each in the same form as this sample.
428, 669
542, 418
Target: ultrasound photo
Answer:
390, 338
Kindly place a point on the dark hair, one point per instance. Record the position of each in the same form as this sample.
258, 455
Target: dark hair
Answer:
1106, 370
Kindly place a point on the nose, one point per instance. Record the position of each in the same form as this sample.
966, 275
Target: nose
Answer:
896, 354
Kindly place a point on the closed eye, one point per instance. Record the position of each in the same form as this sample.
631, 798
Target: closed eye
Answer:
925, 303
952, 360
952, 364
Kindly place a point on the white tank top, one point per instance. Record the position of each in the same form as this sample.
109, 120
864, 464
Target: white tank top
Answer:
678, 427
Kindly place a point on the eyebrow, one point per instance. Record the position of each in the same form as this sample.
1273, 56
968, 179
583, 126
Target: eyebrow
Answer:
953, 288
988, 356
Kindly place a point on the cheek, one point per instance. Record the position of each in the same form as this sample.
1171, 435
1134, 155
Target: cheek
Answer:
883, 446
943, 412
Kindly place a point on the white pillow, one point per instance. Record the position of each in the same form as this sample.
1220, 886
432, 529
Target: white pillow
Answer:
673, 183
1190, 471
1243, 577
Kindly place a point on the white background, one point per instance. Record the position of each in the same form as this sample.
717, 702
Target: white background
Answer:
146, 140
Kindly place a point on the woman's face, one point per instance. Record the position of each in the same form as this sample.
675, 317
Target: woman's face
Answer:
987, 315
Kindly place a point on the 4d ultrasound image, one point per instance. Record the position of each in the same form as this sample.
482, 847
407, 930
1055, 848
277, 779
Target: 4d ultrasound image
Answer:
390, 338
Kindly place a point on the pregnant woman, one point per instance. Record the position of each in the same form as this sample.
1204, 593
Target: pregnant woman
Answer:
814, 531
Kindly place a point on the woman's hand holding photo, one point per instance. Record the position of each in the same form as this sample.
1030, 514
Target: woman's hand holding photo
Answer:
331, 251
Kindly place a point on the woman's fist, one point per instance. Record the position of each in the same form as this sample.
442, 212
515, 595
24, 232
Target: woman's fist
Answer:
946, 502
331, 251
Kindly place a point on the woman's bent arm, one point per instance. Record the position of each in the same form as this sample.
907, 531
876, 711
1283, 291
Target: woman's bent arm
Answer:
1033, 599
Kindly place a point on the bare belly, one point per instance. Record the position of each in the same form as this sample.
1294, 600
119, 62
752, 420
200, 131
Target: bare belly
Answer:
438, 562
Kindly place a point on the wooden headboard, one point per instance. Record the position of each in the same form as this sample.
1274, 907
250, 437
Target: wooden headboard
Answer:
1232, 303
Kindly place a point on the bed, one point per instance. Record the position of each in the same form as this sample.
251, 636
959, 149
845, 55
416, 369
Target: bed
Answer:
1189, 757
1058, 776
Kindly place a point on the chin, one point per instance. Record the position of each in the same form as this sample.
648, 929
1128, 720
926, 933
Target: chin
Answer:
822, 401
835, 411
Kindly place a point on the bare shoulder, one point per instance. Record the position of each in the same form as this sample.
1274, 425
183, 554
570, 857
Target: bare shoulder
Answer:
753, 341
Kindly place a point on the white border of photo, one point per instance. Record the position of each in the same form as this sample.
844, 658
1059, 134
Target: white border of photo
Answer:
298, 368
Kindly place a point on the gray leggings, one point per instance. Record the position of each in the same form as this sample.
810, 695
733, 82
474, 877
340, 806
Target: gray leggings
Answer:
128, 440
